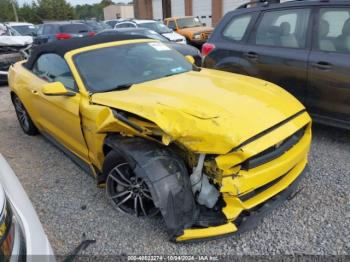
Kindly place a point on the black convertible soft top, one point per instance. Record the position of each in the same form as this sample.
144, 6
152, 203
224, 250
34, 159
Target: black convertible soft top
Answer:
61, 47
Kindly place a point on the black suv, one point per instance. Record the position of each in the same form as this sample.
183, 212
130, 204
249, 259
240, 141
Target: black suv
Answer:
303, 46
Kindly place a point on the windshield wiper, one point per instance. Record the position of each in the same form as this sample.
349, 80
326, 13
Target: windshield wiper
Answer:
172, 74
120, 87
196, 68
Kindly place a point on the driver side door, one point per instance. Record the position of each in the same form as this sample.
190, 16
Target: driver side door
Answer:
58, 116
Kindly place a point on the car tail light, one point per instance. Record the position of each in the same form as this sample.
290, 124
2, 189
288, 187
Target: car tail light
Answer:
11, 235
207, 48
91, 34
63, 36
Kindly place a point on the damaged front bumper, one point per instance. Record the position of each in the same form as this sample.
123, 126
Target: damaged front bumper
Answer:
251, 193
246, 221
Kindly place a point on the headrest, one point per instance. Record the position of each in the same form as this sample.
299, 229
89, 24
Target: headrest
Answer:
324, 28
285, 28
346, 27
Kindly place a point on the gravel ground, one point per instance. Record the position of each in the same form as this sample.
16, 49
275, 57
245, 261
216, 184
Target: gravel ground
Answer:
316, 221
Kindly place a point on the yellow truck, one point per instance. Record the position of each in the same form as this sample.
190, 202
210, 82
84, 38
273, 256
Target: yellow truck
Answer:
191, 28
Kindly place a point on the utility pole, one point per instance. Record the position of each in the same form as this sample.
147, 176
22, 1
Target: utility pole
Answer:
14, 9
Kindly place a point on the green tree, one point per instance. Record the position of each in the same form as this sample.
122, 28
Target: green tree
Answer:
88, 11
55, 10
105, 3
28, 13
92, 11
6, 11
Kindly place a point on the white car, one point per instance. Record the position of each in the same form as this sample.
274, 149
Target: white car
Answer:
13, 48
21, 233
156, 26
23, 28
10, 37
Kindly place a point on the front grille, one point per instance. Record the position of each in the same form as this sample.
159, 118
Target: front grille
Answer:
258, 190
274, 151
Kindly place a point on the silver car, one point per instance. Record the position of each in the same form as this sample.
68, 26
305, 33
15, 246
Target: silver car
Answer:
22, 236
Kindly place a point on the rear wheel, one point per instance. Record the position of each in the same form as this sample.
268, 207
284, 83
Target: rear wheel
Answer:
126, 191
23, 117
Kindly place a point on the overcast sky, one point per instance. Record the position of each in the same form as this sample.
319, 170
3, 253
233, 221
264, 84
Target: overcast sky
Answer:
77, 2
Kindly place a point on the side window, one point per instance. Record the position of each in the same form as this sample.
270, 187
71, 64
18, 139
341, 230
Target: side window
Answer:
334, 30
286, 28
172, 25
46, 29
237, 28
125, 25
40, 30
53, 68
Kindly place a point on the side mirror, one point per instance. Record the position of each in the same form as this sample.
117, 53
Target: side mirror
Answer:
56, 89
190, 59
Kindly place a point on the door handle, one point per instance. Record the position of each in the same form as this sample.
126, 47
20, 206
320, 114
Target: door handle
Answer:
322, 65
251, 55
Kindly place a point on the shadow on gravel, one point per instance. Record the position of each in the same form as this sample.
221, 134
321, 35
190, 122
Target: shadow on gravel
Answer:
331, 133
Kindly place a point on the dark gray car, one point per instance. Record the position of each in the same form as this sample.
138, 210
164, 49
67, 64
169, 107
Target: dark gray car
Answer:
303, 46
49, 32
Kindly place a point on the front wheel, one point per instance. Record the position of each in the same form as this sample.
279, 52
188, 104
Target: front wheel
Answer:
127, 192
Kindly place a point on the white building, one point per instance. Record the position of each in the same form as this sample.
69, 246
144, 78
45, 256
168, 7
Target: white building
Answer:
118, 11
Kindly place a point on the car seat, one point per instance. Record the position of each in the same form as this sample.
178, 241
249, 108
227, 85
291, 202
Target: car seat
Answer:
325, 44
287, 39
343, 41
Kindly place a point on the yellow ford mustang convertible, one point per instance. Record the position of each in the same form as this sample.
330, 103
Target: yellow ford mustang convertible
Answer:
211, 151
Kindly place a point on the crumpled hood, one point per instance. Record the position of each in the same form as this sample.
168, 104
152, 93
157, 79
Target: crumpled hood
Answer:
15, 40
208, 111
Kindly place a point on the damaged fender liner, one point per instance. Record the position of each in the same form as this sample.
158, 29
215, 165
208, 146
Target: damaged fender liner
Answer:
166, 176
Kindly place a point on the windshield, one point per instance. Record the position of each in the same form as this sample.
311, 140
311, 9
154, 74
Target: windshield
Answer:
74, 28
129, 64
8, 31
25, 29
95, 26
189, 22
147, 33
159, 27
